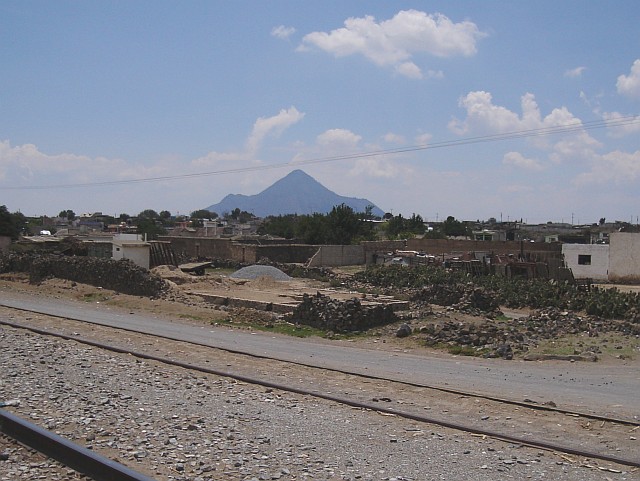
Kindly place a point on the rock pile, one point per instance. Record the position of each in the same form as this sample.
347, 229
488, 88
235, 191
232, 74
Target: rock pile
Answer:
329, 314
465, 298
503, 338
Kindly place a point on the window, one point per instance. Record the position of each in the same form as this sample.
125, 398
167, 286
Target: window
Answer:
584, 260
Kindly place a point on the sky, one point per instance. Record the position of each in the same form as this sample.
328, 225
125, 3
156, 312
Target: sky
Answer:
472, 109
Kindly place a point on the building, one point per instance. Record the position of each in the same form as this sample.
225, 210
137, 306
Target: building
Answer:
587, 260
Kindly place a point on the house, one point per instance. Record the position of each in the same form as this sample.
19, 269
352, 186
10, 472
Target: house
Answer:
137, 251
587, 260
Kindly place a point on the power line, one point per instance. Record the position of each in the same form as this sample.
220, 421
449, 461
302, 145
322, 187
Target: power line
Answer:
572, 127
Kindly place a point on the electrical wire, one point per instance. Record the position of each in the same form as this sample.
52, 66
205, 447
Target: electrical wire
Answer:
520, 134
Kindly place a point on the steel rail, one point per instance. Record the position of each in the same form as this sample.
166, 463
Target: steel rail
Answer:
66, 452
513, 402
549, 446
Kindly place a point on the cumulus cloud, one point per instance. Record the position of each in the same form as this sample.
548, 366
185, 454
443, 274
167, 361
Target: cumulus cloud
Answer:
394, 42
516, 159
575, 72
282, 32
629, 85
484, 117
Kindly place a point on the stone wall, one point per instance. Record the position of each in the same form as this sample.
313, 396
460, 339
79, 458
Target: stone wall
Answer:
323, 312
121, 276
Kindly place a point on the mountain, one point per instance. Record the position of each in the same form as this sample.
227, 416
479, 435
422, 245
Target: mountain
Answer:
297, 193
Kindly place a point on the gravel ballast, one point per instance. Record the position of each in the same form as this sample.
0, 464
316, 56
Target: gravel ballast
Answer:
173, 424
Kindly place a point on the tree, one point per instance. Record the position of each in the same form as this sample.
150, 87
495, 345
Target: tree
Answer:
11, 225
67, 214
203, 214
165, 215
343, 225
453, 227
148, 214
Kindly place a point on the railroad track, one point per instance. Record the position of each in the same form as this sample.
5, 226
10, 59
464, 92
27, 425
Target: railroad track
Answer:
76, 457
379, 404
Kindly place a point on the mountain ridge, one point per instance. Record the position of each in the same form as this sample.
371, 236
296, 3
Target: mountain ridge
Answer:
296, 193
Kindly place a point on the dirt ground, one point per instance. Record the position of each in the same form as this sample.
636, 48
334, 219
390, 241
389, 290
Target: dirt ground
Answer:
193, 299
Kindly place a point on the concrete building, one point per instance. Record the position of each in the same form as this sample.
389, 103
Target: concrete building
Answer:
136, 251
587, 260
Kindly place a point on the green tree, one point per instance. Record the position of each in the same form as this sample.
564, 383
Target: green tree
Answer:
203, 214
453, 227
280, 226
343, 225
312, 229
67, 214
11, 225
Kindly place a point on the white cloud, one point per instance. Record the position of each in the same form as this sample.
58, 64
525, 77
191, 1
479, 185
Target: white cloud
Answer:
484, 117
393, 42
275, 125
518, 160
392, 138
423, 139
282, 32
380, 167
617, 167
338, 140
575, 73
409, 69
629, 85
621, 125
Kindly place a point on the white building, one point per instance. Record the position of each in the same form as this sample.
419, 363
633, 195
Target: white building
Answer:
587, 260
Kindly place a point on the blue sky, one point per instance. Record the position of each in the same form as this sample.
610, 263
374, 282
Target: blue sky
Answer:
473, 109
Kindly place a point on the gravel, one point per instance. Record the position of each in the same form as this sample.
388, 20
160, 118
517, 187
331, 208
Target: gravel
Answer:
172, 424
257, 271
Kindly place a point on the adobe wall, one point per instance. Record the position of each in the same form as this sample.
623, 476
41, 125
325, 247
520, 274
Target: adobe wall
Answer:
624, 257
533, 251
287, 254
197, 247
334, 256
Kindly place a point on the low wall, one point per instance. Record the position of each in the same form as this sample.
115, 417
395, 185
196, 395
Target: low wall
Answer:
121, 276
200, 247
334, 256
532, 251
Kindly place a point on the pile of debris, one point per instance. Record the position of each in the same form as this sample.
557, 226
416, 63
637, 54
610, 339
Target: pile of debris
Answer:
329, 314
466, 298
492, 338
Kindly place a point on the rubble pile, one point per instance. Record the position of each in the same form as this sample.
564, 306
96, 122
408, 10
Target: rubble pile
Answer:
502, 338
551, 323
329, 314
465, 298
489, 338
